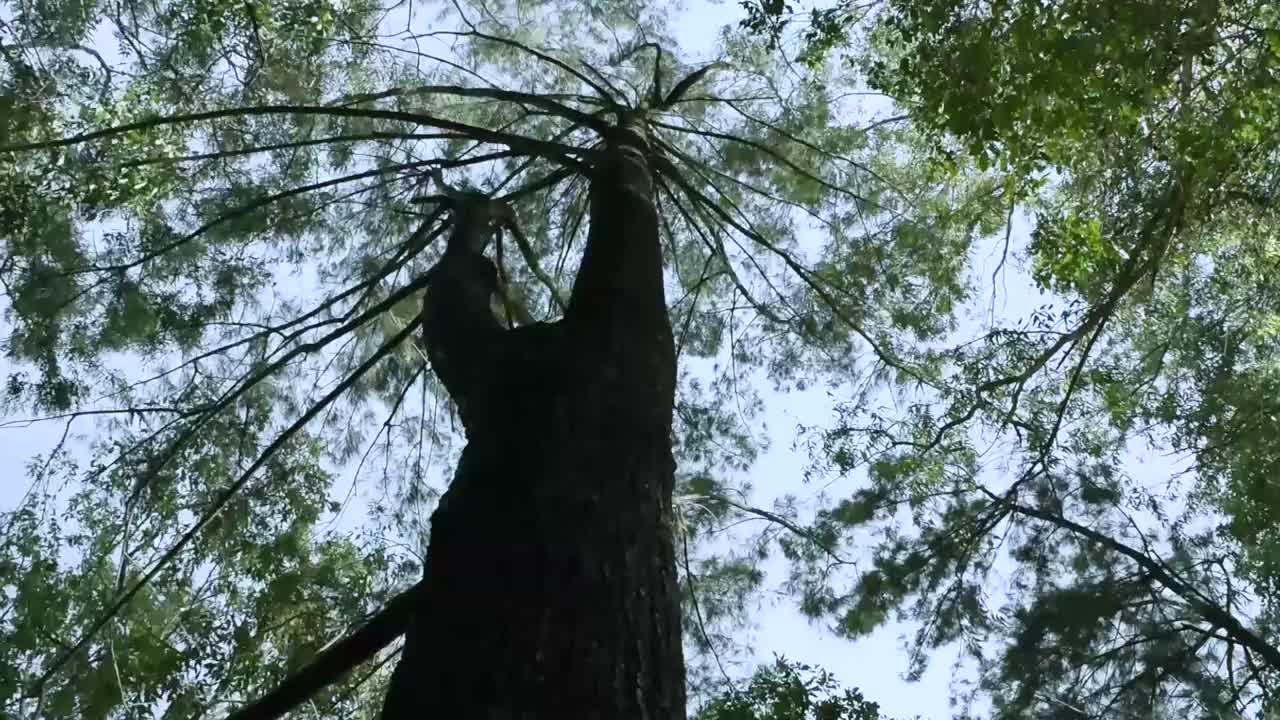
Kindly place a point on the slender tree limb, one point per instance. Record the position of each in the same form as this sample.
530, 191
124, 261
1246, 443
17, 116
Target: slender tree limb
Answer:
549, 180
773, 127
337, 659
787, 524
604, 94
1203, 606
359, 137
382, 662
221, 501
384, 428
708, 172
686, 84
881, 352
530, 146
531, 260
260, 203
513, 96
422, 237
419, 241
765, 149
717, 250
29, 421
692, 578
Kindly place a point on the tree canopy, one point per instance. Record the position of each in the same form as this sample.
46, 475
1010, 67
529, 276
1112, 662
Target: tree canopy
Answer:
215, 223
1139, 137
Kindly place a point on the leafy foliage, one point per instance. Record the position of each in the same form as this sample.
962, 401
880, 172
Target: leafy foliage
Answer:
1080, 581
787, 690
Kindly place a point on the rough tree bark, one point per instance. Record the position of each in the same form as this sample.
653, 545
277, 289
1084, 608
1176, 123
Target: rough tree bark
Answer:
550, 576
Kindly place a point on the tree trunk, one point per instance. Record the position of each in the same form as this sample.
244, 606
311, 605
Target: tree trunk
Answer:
550, 575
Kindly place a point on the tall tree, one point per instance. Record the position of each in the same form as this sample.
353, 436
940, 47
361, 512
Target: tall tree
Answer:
220, 232
558, 520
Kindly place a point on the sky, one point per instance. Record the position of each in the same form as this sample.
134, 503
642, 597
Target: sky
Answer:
875, 664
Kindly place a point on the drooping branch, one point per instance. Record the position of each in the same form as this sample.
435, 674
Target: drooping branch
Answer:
386, 427
426, 233
336, 660
718, 250
708, 173
1211, 612
814, 147
333, 139
692, 579
686, 84
604, 94
531, 260
247, 208
421, 239
766, 150
884, 354
543, 102
520, 143
131, 411
549, 180
788, 525
231, 490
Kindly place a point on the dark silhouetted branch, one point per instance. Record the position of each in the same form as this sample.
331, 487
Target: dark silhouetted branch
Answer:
336, 660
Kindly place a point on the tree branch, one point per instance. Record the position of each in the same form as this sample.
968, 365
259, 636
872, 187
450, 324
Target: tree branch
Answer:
225, 496
161, 159
604, 94
512, 96
1206, 609
531, 261
530, 146
336, 660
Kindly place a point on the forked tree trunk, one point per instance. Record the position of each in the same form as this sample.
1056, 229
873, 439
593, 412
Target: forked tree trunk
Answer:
550, 576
